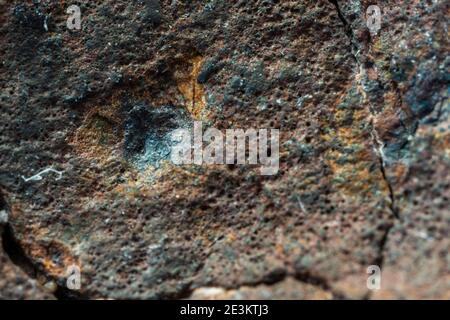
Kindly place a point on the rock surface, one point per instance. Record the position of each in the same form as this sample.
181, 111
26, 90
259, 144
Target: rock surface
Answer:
364, 149
15, 283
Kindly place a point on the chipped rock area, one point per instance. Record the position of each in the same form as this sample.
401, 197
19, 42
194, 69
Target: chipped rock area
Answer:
364, 149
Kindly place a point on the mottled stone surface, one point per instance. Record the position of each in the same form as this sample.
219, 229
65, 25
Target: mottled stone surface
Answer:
14, 282
364, 148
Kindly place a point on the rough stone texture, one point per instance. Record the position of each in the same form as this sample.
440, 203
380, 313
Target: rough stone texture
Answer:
14, 282
409, 99
364, 147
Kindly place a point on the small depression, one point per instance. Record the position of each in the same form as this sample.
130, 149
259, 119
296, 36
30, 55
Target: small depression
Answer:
149, 133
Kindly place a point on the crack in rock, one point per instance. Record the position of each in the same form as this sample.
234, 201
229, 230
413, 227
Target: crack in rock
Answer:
17, 255
378, 145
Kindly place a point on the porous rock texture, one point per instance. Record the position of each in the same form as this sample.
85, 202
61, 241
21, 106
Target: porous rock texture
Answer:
364, 149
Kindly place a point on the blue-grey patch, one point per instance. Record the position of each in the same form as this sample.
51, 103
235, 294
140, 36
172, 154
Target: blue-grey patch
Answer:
148, 133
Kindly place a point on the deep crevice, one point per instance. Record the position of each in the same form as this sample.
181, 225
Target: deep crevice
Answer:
379, 260
347, 27
392, 206
18, 257
16, 253
349, 32
339, 12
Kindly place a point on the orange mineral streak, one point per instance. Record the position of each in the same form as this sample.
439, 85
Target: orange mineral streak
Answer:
192, 91
354, 177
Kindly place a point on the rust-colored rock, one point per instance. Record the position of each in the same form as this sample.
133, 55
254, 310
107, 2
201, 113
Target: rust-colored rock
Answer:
364, 148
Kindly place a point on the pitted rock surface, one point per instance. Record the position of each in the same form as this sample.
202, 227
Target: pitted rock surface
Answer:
364, 149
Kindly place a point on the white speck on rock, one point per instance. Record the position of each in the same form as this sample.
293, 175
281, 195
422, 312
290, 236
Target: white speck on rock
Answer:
38, 176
